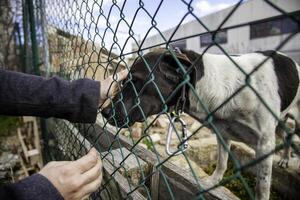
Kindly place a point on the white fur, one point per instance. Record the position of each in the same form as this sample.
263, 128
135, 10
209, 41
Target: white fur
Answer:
244, 117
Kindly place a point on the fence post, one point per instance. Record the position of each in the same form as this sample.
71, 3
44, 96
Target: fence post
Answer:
35, 56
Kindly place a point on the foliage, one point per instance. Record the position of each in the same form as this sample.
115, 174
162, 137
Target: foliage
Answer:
237, 187
148, 143
8, 125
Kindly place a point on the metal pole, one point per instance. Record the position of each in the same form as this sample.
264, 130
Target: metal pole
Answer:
34, 47
27, 66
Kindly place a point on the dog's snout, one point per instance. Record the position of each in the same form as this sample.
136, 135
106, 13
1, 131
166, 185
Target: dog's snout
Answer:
105, 112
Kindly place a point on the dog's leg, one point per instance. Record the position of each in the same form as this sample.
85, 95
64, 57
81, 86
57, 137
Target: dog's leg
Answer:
264, 167
284, 161
221, 167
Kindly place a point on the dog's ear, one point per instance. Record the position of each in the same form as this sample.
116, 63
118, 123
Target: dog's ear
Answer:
170, 68
183, 59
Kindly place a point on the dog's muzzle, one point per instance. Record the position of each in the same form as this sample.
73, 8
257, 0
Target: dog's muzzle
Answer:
117, 118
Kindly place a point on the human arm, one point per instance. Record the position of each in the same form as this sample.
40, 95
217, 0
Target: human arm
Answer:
24, 94
76, 101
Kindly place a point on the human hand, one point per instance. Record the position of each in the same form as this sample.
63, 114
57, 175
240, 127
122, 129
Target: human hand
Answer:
75, 180
109, 86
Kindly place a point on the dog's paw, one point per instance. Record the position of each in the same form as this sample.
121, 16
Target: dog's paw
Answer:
283, 163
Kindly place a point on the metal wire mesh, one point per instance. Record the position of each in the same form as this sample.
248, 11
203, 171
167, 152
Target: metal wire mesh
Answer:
93, 39
90, 29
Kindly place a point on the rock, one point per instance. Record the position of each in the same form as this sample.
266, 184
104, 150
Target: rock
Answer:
8, 161
155, 137
202, 133
162, 122
203, 151
188, 120
195, 126
174, 140
182, 162
158, 130
136, 132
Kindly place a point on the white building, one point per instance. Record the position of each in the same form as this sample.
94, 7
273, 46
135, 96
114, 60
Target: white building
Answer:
265, 29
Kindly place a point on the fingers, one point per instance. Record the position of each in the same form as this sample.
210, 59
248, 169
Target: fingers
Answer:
92, 186
122, 75
86, 162
61, 163
93, 173
91, 180
109, 86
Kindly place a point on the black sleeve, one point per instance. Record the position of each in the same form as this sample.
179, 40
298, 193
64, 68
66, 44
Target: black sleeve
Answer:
23, 94
35, 187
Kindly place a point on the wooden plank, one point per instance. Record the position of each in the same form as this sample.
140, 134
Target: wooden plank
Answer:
23, 145
180, 180
23, 165
155, 186
37, 141
183, 182
34, 136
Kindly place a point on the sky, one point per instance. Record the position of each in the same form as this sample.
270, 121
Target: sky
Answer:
86, 17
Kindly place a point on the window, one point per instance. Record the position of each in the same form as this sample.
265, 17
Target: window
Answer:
181, 44
273, 27
220, 38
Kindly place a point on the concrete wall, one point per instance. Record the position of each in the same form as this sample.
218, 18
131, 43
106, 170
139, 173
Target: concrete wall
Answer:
238, 40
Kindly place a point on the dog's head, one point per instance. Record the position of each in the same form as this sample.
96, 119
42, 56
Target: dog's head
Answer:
152, 80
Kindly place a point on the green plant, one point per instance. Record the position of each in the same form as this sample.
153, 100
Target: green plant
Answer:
8, 125
148, 143
237, 187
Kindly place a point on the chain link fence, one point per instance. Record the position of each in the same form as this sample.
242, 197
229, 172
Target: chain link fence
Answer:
95, 39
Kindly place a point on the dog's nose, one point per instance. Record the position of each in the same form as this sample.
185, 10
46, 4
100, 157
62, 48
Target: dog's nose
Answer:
105, 112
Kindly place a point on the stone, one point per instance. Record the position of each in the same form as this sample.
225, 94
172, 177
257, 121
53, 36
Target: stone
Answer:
155, 137
8, 161
203, 151
181, 161
162, 122
136, 132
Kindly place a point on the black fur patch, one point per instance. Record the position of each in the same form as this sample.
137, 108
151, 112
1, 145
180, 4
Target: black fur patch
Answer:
196, 71
197, 68
287, 75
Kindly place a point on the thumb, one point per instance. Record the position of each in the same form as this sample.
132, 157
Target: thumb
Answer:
120, 76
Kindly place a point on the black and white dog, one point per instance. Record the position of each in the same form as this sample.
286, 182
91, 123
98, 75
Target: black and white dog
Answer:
216, 78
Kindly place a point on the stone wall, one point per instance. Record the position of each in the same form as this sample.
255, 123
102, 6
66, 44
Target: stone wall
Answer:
79, 58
